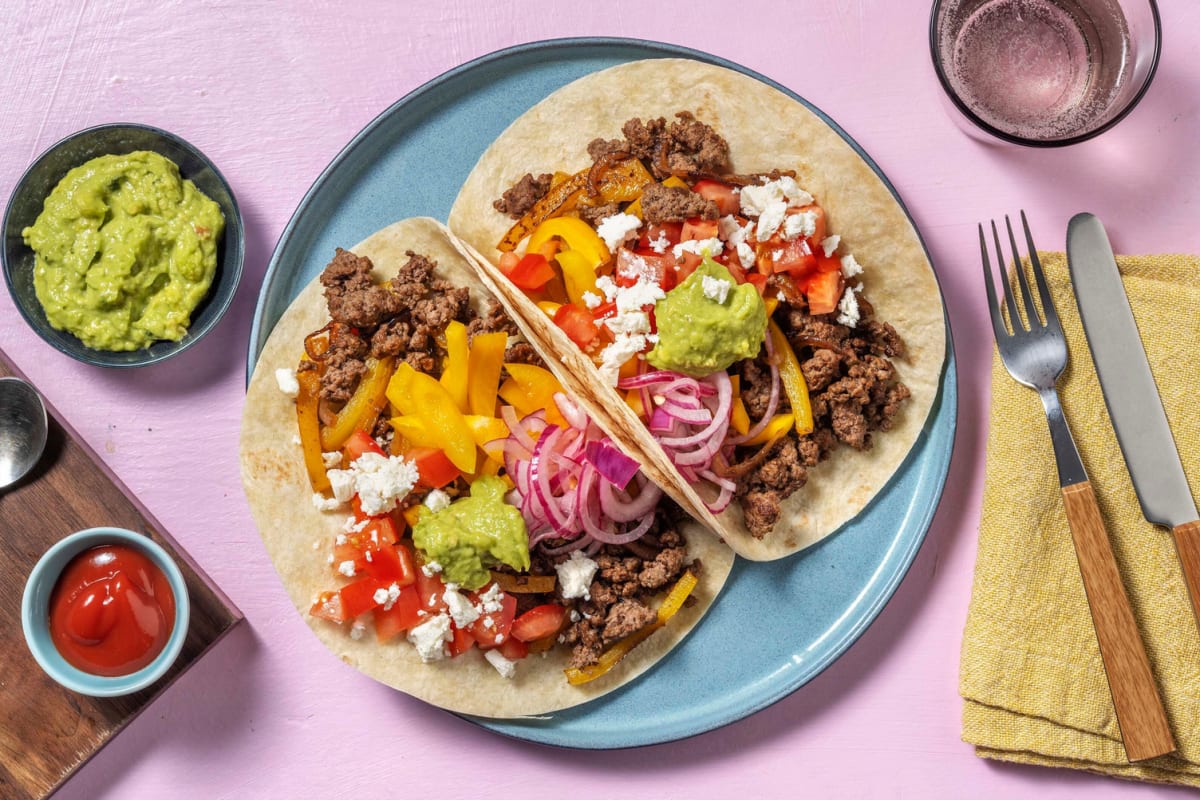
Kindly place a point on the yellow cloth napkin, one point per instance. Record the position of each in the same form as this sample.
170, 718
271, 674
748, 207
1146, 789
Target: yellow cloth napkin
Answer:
1031, 674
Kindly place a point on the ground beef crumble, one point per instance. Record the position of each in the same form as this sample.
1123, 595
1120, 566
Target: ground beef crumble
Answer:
517, 201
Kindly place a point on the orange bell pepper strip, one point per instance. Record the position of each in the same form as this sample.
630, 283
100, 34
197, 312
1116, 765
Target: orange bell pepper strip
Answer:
483, 372
577, 236
775, 428
532, 388
738, 418
454, 369
363, 407
309, 424
610, 657
793, 379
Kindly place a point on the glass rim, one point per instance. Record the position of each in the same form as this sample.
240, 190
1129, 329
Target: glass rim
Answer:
992, 130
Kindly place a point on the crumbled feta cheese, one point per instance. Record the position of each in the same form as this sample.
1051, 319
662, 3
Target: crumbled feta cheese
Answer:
575, 576
630, 325
354, 525
492, 600
802, 224
367, 554
387, 597
623, 348
848, 313
746, 255
323, 503
606, 284
431, 568
713, 246
616, 229
504, 666
629, 322
286, 378
430, 638
489, 623
770, 219
357, 630
342, 483
380, 597
715, 289
592, 300
755, 199
646, 292
462, 610
331, 460
329, 559
660, 243
437, 500
830, 244
380, 481
850, 267
347, 568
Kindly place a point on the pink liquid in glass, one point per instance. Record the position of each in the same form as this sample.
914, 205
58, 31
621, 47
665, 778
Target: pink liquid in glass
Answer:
1037, 69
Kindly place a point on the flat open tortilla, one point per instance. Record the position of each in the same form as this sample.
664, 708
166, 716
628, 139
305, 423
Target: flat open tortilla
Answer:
299, 538
766, 130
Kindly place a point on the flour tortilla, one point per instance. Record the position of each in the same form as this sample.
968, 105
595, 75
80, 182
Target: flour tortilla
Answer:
766, 130
280, 499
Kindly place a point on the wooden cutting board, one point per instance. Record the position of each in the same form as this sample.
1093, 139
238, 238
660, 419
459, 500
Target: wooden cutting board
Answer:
47, 732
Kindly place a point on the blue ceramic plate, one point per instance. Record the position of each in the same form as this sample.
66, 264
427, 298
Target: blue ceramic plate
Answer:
777, 624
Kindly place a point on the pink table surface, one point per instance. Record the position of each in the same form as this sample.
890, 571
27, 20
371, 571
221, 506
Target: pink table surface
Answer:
272, 92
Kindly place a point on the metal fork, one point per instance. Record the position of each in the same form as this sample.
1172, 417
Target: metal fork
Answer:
1035, 353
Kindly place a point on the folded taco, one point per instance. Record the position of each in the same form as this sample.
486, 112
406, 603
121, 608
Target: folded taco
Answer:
730, 286
443, 515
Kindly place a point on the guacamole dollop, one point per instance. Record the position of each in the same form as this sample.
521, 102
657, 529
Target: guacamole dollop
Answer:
474, 533
708, 322
126, 249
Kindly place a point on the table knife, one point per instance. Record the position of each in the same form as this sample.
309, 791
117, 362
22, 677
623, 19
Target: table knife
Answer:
1131, 394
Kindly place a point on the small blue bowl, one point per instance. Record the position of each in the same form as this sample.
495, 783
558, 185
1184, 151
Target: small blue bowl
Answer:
35, 613
43, 175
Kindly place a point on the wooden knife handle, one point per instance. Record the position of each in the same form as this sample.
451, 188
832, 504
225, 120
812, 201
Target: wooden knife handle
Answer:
1135, 696
1187, 542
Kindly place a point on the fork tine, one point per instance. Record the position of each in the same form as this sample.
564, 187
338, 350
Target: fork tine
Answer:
1031, 315
998, 328
1039, 276
1013, 318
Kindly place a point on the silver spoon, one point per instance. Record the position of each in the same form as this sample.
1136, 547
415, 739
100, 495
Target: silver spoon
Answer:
22, 429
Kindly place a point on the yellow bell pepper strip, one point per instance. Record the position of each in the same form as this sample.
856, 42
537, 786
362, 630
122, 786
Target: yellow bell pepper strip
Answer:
363, 407
412, 514
738, 418
576, 235
793, 379
416, 432
635, 208
775, 428
771, 303
549, 308
610, 657
418, 395
483, 372
531, 388
485, 430
579, 277
309, 424
454, 368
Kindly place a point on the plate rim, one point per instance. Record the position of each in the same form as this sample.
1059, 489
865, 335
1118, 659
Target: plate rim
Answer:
945, 401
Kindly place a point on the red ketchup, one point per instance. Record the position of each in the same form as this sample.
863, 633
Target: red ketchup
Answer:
111, 611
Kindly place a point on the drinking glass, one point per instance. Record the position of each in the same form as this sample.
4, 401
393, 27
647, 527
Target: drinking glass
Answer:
1044, 73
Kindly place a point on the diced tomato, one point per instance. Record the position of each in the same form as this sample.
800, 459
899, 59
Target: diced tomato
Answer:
824, 291
687, 266
492, 628
430, 589
826, 263
401, 617
348, 552
724, 195
392, 563
360, 442
531, 272
381, 529
794, 256
577, 323
759, 281
697, 228
539, 622
739, 274
819, 214
433, 466
656, 232
329, 607
461, 642
644, 265
604, 310
514, 649
358, 597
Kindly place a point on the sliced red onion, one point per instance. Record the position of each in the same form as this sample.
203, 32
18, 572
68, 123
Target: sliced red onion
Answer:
610, 462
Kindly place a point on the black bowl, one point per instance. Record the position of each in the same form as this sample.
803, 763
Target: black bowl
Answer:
44, 174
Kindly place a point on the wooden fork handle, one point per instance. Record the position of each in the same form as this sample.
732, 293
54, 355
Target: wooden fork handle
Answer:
1135, 695
1187, 543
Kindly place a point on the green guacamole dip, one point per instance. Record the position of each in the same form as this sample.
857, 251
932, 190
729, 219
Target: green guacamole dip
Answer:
126, 250
474, 533
698, 333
